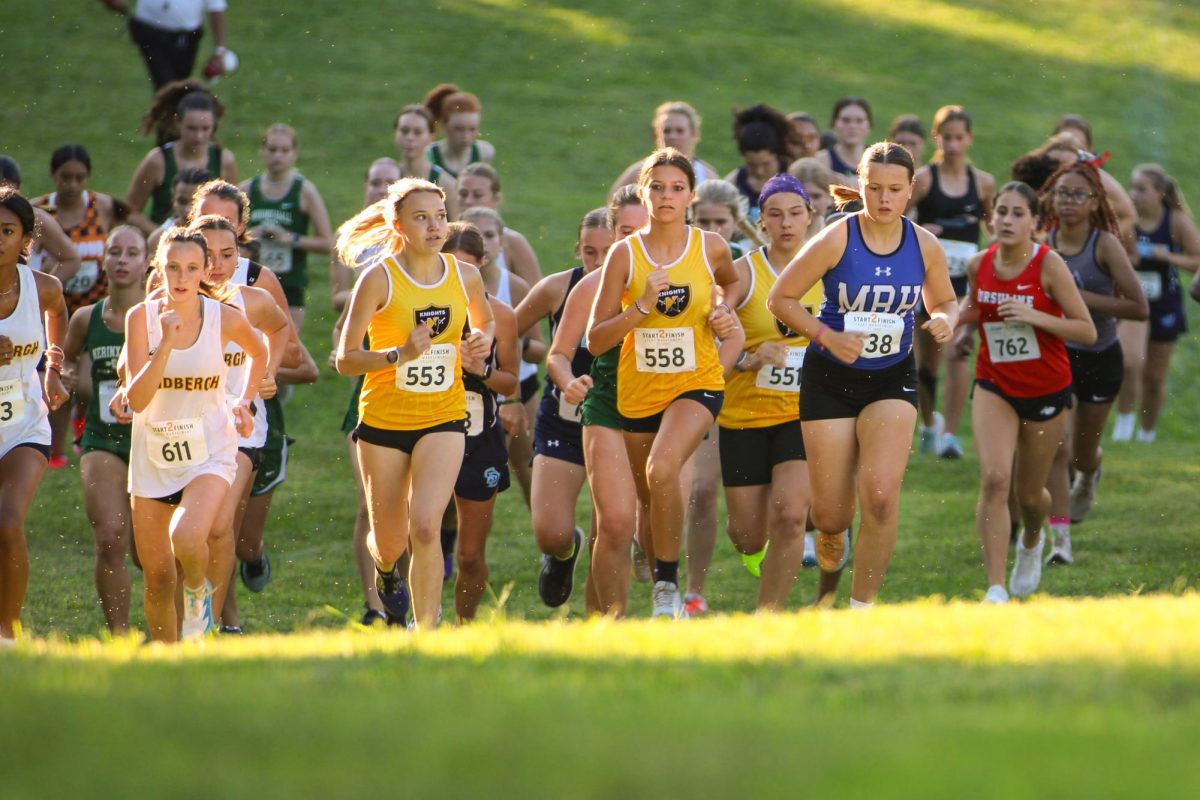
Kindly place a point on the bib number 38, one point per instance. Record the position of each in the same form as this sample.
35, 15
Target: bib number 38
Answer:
432, 371
665, 350
884, 332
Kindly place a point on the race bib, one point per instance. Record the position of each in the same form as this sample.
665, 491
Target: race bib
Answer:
474, 413
12, 402
884, 332
1151, 284
83, 280
176, 443
571, 412
785, 378
432, 371
1011, 341
275, 256
957, 256
665, 350
104, 394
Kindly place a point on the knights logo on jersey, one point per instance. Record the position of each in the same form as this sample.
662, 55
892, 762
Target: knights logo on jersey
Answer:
784, 330
674, 300
436, 317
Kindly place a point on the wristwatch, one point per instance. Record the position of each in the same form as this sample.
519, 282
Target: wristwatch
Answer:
742, 356
393, 355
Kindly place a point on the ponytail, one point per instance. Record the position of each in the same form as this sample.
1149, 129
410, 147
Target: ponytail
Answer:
1172, 195
374, 228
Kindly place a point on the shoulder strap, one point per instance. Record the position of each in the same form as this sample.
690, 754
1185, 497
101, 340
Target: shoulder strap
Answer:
253, 271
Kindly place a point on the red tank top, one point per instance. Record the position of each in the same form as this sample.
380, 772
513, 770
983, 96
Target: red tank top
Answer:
1021, 360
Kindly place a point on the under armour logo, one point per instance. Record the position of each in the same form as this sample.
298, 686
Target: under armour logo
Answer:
552, 443
883, 272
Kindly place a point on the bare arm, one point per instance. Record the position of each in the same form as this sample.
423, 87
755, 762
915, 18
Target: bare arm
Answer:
236, 328
1183, 231
369, 295
54, 241
228, 165
533, 345
609, 325
1128, 300
54, 313
146, 178
521, 258
504, 379
569, 336
321, 240
146, 370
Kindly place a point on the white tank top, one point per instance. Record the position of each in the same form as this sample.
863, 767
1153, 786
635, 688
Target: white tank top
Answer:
235, 379
186, 431
504, 295
22, 411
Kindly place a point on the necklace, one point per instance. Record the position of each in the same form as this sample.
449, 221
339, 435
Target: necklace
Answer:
15, 284
1024, 259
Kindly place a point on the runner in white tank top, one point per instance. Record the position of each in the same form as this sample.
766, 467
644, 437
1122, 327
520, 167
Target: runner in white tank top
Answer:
184, 438
24, 430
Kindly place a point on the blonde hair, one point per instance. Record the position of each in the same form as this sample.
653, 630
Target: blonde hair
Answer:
810, 170
375, 226
279, 127
1163, 182
676, 107
723, 193
482, 213
483, 170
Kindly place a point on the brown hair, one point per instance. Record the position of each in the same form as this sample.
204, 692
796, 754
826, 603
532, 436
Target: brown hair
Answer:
374, 226
1075, 123
943, 117
667, 157
178, 234
125, 228
878, 153
1172, 196
907, 123
222, 190
466, 237
1102, 217
482, 212
174, 100
626, 195
845, 103
813, 171
280, 127
421, 111
483, 170
1027, 194
446, 99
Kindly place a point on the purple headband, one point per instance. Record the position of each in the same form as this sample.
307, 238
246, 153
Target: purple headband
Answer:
783, 182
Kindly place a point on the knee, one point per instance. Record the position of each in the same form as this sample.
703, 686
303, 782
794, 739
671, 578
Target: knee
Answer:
1031, 498
110, 543
159, 578
704, 501
994, 485
791, 520
423, 534
471, 561
662, 472
832, 518
880, 502
12, 531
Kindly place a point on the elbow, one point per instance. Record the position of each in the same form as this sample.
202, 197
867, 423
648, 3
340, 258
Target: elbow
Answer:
773, 300
1089, 338
1143, 311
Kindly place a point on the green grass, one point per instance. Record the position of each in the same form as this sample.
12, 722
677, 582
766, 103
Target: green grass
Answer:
568, 89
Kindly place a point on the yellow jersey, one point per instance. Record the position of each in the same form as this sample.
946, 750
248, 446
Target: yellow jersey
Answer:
426, 391
770, 395
671, 351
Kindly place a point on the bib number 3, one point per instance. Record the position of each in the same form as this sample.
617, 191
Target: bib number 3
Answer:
432, 371
884, 332
12, 402
665, 350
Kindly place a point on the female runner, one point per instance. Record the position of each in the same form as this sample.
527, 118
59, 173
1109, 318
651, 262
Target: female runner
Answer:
851, 123
952, 198
675, 124
198, 113
479, 186
27, 298
1167, 242
48, 236
412, 408
182, 456
858, 407
1083, 229
458, 114
817, 178
761, 134
558, 462
907, 131
284, 206
721, 208
661, 299
185, 184
414, 137
95, 337
1025, 303
804, 136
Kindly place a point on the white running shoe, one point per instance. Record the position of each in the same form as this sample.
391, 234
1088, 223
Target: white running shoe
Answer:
1060, 550
1083, 494
932, 435
996, 595
197, 611
641, 564
1123, 427
1027, 567
1145, 436
950, 447
667, 602
810, 551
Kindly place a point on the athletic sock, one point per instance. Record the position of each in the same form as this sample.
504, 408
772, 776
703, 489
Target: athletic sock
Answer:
860, 604
571, 554
1060, 525
666, 571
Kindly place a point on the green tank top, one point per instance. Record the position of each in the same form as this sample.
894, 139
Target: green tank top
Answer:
435, 157
101, 431
162, 205
290, 264
599, 407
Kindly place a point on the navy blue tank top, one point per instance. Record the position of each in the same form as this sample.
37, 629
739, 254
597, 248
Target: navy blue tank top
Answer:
581, 364
1147, 240
838, 166
876, 294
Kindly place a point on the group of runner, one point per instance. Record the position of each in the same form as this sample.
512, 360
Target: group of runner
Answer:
778, 332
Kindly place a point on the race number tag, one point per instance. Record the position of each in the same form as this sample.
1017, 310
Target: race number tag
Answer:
12, 402
957, 256
884, 332
275, 256
665, 350
1011, 341
1151, 284
176, 443
785, 378
432, 371
105, 392
571, 412
83, 280
474, 413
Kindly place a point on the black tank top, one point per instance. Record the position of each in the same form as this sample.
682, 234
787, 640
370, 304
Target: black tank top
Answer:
581, 364
1159, 236
959, 217
473, 383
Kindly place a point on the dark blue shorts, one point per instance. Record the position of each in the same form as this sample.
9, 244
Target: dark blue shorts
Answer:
555, 437
1168, 320
484, 471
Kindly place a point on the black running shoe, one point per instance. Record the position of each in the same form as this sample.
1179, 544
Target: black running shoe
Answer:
393, 593
371, 616
235, 630
558, 577
256, 575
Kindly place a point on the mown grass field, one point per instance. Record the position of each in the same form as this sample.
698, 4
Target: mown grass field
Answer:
600, 710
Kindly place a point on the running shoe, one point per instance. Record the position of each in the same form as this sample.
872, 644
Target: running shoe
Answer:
558, 575
833, 550
1146, 437
996, 595
932, 435
694, 605
810, 551
641, 564
1060, 550
1027, 568
197, 611
753, 561
393, 593
1083, 494
371, 616
666, 601
950, 447
1123, 427
232, 630
256, 574
58, 462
